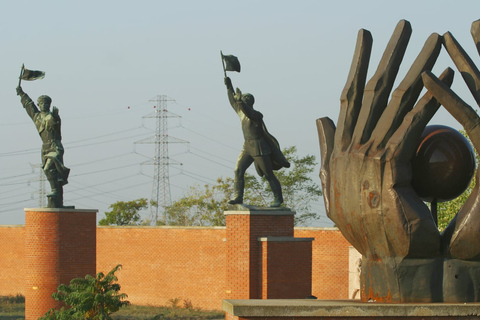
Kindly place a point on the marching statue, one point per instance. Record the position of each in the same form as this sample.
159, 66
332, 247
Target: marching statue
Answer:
260, 147
48, 125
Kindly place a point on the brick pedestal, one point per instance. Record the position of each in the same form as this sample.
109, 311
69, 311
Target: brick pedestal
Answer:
60, 244
259, 266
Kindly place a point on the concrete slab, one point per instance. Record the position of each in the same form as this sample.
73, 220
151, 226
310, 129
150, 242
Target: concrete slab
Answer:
345, 308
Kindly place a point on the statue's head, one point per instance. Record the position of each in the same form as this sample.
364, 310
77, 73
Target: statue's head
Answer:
248, 99
44, 103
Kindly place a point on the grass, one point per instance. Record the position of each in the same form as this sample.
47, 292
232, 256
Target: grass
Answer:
160, 313
13, 308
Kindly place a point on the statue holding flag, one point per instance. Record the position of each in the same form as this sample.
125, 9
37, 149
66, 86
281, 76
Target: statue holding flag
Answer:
260, 147
48, 124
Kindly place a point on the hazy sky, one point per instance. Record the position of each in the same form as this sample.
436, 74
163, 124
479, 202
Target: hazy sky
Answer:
105, 61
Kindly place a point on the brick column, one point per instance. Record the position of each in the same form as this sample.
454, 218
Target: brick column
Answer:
244, 227
60, 244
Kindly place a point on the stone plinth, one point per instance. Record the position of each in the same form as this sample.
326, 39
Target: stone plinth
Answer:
60, 244
347, 309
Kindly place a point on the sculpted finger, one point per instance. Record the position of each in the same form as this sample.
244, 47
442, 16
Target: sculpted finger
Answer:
352, 94
380, 85
326, 133
460, 110
406, 94
404, 141
464, 64
475, 31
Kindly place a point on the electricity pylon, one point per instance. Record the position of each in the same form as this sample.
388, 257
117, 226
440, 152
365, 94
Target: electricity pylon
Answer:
161, 196
41, 188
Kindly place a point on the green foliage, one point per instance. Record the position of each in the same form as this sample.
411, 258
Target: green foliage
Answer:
12, 299
12, 307
124, 213
446, 211
297, 185
201, 206
89, 298
205, 206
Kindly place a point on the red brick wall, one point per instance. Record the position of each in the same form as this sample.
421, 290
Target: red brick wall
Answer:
12, 260
162, 263
166, 263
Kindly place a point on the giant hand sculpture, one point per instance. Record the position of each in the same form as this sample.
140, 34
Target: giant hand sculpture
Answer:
461, 239
366, 172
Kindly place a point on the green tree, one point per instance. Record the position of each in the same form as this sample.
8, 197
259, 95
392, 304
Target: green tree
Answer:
124, 213
89, 298
204, 206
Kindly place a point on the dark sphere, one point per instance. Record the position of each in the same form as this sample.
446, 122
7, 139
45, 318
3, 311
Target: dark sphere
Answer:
444, 164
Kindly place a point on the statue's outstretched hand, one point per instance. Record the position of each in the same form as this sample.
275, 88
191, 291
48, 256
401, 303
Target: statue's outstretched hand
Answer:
366, 170
19, 90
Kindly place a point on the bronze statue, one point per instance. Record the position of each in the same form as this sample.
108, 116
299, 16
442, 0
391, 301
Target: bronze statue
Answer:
260, 147
48, 124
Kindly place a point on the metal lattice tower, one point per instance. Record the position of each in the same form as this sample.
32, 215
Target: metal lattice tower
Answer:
42, 193
161, 161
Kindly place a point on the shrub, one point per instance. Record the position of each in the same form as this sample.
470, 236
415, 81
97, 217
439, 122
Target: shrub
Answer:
89, 298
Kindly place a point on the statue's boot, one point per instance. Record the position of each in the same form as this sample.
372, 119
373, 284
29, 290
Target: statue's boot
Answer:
55, 198
238, 186
277, 194
54, 193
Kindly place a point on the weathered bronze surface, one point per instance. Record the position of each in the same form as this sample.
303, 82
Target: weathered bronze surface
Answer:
461, 238
260, 147
444, 164
367, 172
48, 124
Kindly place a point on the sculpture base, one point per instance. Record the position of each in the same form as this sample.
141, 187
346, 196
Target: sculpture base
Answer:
345, 309
461, 281
401, 281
